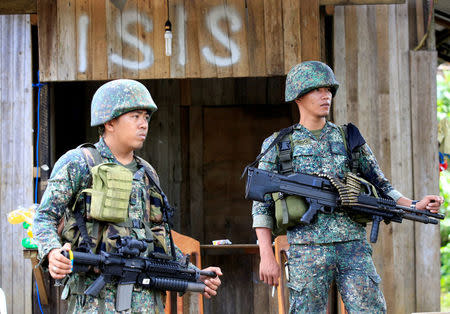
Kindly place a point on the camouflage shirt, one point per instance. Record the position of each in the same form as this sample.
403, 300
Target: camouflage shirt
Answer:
71, 175
326, 154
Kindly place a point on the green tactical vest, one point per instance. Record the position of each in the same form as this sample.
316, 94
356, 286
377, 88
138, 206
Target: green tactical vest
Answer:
106, 207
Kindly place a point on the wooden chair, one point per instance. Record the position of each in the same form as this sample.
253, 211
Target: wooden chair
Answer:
281, 248
189, 246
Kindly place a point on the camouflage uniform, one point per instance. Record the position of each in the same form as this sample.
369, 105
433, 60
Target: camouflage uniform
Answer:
71, 174
333, 246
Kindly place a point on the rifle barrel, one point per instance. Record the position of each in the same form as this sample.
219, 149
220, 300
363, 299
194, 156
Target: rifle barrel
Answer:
421, 212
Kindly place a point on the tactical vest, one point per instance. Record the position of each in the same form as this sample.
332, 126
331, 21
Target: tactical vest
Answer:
103, 212
103, 209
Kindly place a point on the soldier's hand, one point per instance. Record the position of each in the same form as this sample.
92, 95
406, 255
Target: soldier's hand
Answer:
431, 203
212, 284
58, 265
269, 270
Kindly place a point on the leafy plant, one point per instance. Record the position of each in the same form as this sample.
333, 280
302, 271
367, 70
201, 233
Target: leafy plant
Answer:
443, 111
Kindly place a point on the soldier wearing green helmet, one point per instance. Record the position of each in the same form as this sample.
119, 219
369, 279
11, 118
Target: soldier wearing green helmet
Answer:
334, 246
122, 110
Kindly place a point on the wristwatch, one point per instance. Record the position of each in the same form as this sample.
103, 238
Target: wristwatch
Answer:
413, 204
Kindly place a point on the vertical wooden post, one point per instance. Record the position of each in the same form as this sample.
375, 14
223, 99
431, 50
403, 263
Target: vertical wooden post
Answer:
196, 171
16, 156
426, 175
310, 29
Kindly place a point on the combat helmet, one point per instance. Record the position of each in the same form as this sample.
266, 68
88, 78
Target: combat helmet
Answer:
117, 97
308, 75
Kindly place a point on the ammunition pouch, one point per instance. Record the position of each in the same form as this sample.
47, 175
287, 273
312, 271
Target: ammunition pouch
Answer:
289, 209
110, 193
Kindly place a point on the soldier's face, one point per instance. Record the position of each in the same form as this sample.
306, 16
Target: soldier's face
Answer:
130, 129
316, 103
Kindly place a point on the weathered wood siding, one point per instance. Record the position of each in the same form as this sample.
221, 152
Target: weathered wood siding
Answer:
16, 156
393, 103
100, 39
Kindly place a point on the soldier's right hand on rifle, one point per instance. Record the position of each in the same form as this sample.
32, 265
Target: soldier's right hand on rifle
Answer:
58, 265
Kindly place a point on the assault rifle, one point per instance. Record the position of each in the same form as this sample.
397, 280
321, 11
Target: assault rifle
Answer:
158, 271
322, 195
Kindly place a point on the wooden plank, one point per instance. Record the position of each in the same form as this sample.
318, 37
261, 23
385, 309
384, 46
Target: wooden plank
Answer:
383, 148
129, 37
25, 92
179, 30
66, 37
238, 36
196, 171
162, 62
7, 115
273, 30
292, 34
15, 150
261, 292
83, 39
193, 20
426, 174
20, 190
256, 39
356, 2
351, 57
16, 153
175, 155
339, 36
391, 133
420, 20
32, 256
256, 83
366, 69
48, 43
402, 176
310, 29
206, 42
18, 6
114, 42
220, 28
233, 288
146, 35
98, 41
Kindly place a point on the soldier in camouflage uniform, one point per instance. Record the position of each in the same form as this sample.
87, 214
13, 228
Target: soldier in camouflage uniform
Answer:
122, 109
333, 246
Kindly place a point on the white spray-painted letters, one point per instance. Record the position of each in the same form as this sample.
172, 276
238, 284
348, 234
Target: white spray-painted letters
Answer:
83, 24
214, 16
128, 18
212, 22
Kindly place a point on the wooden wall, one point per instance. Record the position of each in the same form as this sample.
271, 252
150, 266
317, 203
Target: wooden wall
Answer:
102, 39
390, 94
16, 156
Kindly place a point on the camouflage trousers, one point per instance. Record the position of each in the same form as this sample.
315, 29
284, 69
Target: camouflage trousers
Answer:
142, 301
312, 268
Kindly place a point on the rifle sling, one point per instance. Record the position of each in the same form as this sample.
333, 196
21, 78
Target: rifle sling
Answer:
277, 139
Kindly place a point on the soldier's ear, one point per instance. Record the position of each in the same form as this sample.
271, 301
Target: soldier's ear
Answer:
109, 126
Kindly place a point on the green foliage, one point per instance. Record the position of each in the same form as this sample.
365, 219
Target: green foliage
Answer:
443, 111
444, 189
445, 302
443, 95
